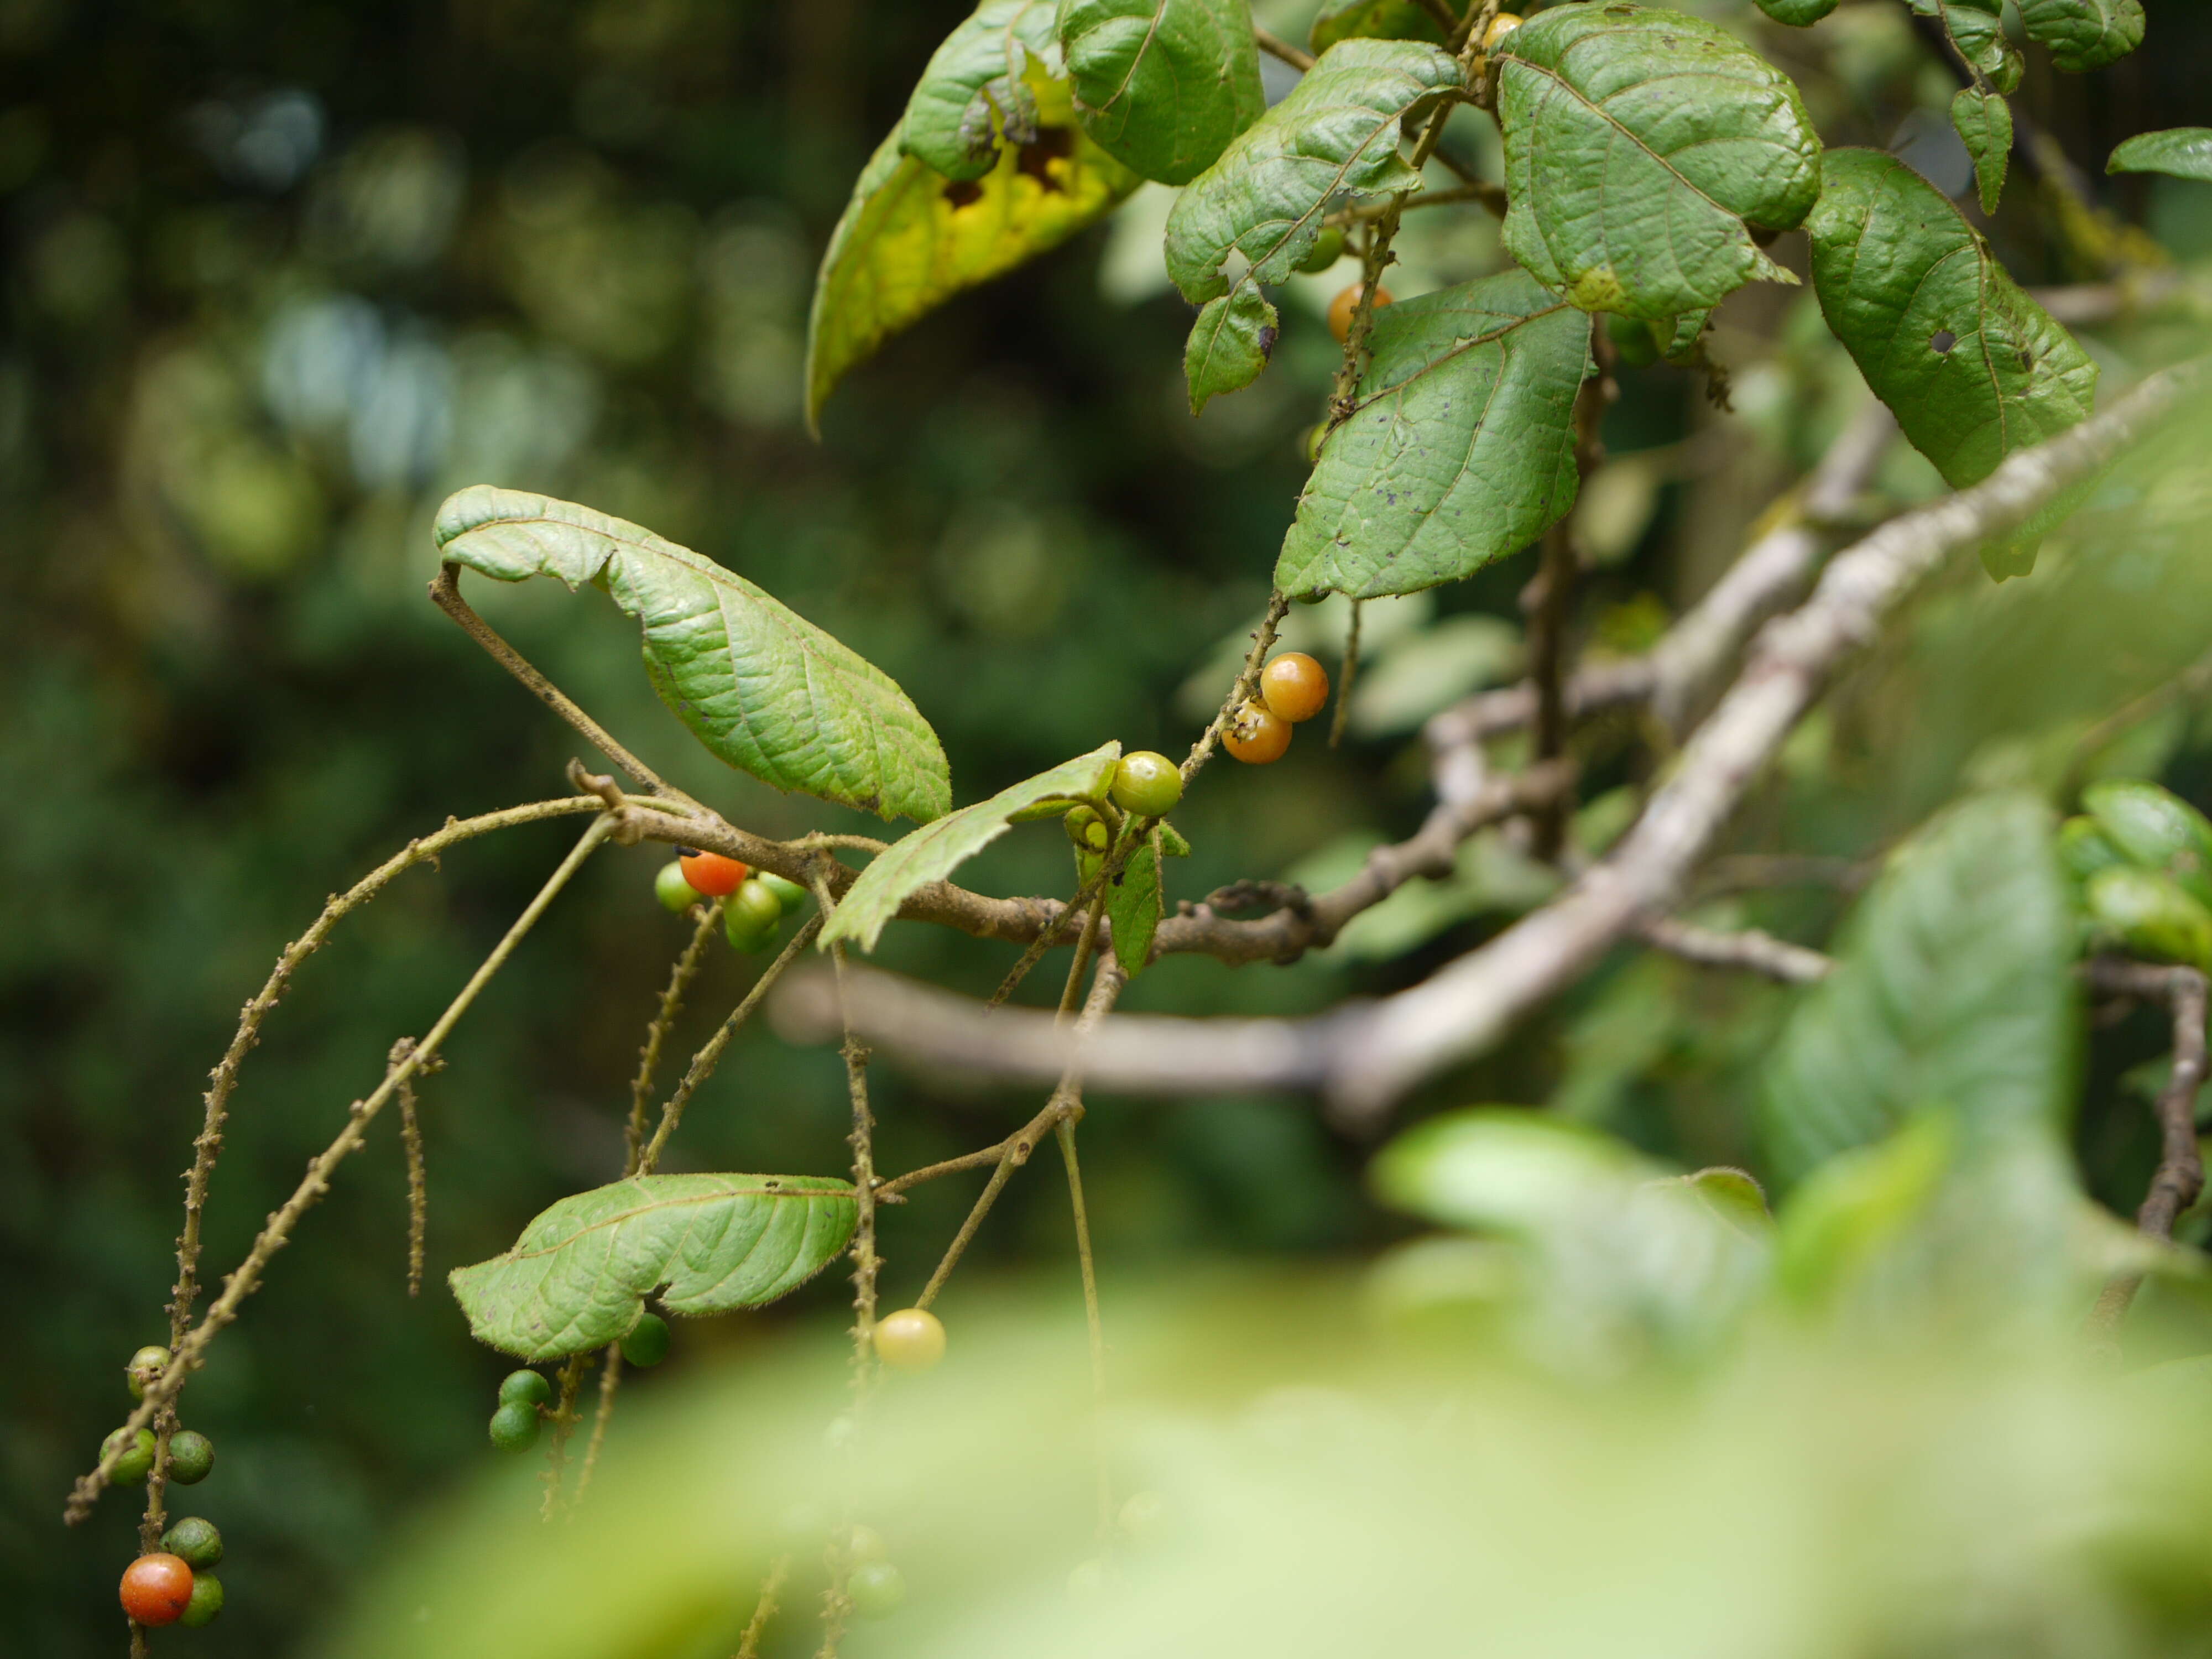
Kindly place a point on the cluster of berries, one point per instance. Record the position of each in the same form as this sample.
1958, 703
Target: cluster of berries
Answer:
174, 1584
1293, 688
524, 1395
756, 902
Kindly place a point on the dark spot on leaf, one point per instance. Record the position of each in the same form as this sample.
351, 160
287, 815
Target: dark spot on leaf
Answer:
1942, 340
1267, 337
960, 191
2026, 360
1050, 145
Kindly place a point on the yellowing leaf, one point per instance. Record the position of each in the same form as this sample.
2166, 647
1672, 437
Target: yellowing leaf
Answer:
911, 239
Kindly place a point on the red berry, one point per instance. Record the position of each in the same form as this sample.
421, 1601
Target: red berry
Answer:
1341, 308
157, 1588
1257, 735
1294, 687
711, 873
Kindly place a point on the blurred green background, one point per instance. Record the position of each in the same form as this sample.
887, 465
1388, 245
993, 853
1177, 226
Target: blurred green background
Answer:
278, 278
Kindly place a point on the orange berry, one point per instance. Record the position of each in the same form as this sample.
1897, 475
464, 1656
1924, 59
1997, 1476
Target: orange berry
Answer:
1257, 735
1294, 687
1341, 308
711, 873
157, 1588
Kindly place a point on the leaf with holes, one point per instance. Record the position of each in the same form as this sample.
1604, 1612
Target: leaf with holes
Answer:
1162, 85
1335, 136
577, 1278
1955, 987
1133, 905
1983, 121
1460, 450
936, 850
1977, 29
1973, 368
2184, 152
1375, 20
1798, 13
1646, 151
910, 239
2084, 35
976, 92
762, 687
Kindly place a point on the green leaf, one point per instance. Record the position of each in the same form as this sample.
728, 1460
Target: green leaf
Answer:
1335, 136
1861, 1203
1132, 904
2153, 827
1798, 13
577, 1278
1734, 1195
1977, 29
1644, 149
2084, 35
1460, 450
910, 239
936, 850
1973, 368
762, 687
2185, 152
1954, 988
1229, 344
1162, 85
1985, 122
1171, 841
975, 89
1376, 19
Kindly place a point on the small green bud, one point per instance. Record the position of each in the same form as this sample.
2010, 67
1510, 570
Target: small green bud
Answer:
192, 1456
514, 1426
206, 1602
1087, 830
195, 1540
646, 1344
137, 1456
149, 1363
789, 894
676, 893
530, 1388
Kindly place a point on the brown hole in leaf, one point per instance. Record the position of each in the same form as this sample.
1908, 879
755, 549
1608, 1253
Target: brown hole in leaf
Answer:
960, 191
1051, 144
1942, 340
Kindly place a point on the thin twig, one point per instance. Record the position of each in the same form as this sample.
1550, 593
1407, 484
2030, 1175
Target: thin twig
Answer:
609, 1379
563, 1419
1009, 1155
1243, 688
656, 1034
763, 1610
1275, 46
445, 592
1044, 941
710, 1053
190, 1350
1345, 680
418, 1178
1747, 948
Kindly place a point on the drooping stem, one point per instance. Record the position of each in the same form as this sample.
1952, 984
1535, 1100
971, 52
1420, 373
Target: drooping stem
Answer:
764, 1609
564, 1417
190, 1352
656, 1034
418, 1178
609, 1379
1246, 683
710, 1053
1345, 679
1065, 1131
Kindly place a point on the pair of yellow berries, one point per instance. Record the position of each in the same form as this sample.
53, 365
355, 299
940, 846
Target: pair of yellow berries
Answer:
1293, 688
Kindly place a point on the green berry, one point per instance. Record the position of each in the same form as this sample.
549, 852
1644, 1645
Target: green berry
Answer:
750, 917
1087, 830
877, 1589
864, 1544
137, 1455
149, 1363
528, 1387
206, 1602
674, 890
647, 1341
1311, 441
1147, 784
1328, 249
195, 1540
789, 894
191, 1455
514, 1426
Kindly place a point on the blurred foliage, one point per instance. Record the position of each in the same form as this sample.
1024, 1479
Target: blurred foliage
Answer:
278, 278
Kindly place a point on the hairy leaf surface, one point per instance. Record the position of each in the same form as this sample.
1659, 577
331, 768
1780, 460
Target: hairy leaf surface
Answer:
936, 850
1335, 135
577, 1278
2185, 152
1376, 19
1460, 450
1133, 905
762, 687
1973, 368
1162, 85
1643, 149
2084, 35
1983, 121
910, 239
975, 89
1955, 989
